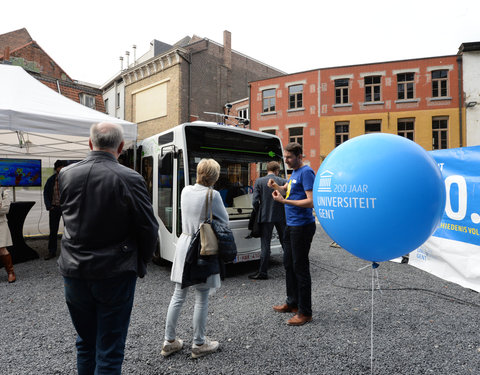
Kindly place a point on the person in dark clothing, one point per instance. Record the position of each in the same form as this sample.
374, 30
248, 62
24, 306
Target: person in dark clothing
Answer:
110, 234
272, 214
52, 204
297, 196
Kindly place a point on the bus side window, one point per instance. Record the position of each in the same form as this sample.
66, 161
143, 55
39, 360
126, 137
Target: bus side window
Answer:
180, 186
165, 189
147, 173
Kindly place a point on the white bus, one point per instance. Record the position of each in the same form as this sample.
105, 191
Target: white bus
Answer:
169, 161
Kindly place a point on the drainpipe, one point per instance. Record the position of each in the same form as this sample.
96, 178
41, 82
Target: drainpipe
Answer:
58, 88
189, 85
460, 99
250, 105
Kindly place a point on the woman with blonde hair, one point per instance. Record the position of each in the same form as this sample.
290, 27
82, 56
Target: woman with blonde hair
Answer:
5, 237
193, 204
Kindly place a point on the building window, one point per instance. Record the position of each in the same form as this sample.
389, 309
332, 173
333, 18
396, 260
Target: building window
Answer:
269, 100
295, 95
341, 91
270, 131
87, 100
439, 83
243, 113
106, 106
295, 135
405, 85
405, 127
341, 132
440, 132
372, 88
373, 126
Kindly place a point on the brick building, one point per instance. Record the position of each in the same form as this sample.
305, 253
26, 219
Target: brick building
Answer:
417, 98
181, 83
18, 48
287, 106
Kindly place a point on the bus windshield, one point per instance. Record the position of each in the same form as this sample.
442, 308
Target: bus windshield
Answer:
242, 157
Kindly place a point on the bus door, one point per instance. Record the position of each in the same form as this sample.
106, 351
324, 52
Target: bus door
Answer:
171, 181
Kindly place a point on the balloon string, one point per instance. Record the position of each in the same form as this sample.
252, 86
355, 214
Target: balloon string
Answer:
371, 326
374, 273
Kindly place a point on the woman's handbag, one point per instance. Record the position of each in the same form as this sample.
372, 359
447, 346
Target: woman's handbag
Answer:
208, 238
227, 248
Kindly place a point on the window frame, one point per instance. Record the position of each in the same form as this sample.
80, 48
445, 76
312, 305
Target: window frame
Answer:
342, 94
295, 99
440, 134
406, 132
370, 88
438, 82
405, 86
85, 98
341, 136
271, 101
295, 137
373, 122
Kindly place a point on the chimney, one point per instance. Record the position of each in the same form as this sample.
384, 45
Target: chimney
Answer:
121, 63
6, 54
227, 49
127, 53
134, 54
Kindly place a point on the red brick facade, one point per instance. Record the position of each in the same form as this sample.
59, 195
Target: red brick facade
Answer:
340, 103
290, 121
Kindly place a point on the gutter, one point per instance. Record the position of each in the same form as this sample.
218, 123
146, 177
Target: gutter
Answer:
460, 99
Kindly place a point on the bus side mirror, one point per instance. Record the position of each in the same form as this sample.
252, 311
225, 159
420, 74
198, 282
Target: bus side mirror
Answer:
165, 164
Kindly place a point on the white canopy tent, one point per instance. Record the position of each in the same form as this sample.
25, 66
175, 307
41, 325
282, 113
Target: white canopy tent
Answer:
36, 121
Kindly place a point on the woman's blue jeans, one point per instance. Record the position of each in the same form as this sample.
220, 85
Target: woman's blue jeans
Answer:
199, 314
100, 312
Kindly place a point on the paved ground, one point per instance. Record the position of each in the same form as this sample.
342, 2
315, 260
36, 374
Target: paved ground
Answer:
422, 324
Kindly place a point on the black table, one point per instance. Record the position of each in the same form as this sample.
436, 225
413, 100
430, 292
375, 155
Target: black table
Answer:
20, 251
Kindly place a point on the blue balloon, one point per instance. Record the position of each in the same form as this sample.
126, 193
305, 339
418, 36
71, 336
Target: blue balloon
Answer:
379, 196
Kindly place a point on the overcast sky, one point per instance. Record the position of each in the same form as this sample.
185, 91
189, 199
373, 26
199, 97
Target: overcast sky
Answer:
86, 38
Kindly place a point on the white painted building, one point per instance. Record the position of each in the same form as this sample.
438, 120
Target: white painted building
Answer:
471, 87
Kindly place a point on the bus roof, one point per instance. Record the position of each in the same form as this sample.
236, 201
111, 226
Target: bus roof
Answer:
179, 128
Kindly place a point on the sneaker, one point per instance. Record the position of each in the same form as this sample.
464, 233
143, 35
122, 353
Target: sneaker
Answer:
171, 347
207, 348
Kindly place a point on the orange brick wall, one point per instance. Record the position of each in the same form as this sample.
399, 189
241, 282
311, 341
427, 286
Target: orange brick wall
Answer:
283, 118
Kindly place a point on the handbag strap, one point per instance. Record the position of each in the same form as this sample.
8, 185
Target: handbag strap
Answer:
208, 202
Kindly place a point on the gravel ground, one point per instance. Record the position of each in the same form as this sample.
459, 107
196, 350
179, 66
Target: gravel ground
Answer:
422, 324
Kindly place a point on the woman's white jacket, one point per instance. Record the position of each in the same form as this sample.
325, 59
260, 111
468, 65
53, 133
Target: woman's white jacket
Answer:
192, 202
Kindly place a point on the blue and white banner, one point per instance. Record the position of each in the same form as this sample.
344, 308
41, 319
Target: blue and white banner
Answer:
453, 251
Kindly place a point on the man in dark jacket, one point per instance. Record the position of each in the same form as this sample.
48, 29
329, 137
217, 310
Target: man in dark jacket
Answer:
272, 214
110, 234
51, 198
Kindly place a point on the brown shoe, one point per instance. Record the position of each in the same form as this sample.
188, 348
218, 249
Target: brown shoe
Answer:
285, 308
299, 320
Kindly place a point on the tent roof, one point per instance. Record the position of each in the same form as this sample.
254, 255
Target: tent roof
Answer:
37, 121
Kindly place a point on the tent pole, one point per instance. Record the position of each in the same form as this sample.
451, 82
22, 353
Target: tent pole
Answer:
135, 155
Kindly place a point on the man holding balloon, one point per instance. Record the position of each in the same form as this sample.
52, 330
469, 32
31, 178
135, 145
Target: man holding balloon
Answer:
297, 196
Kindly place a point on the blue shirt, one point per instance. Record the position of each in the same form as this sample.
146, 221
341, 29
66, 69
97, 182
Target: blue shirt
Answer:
302, 180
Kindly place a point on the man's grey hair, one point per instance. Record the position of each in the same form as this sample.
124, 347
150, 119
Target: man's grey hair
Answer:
106, 136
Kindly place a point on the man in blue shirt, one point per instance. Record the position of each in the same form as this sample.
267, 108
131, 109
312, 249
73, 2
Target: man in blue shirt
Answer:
297, 196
